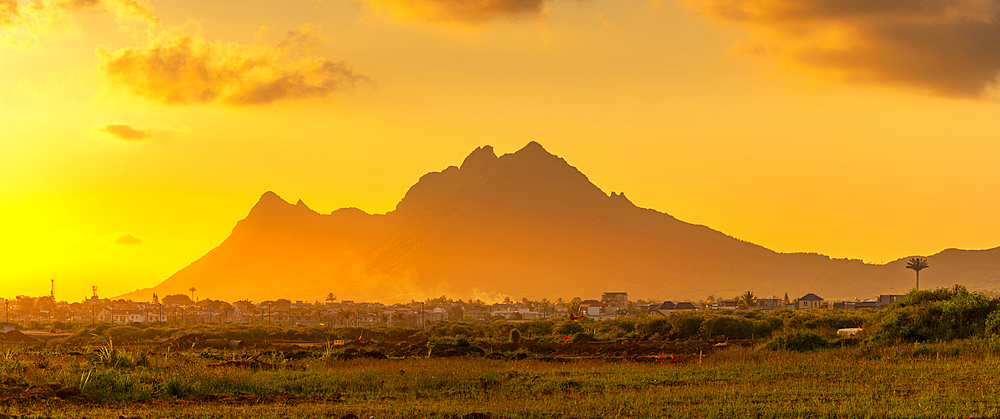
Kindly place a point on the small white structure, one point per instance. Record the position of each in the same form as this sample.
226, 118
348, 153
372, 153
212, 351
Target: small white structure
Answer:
851, 331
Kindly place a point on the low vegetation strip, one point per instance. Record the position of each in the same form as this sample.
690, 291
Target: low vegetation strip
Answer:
937, 380
931, 354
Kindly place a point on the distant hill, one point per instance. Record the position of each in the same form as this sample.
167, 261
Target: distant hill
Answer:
525, 224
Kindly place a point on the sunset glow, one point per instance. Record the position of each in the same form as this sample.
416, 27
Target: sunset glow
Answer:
135, 134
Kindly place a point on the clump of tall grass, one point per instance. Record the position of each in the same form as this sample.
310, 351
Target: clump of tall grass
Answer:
110, 357
9, 362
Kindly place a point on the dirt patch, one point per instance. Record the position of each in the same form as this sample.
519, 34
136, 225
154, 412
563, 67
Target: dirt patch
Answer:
15, 336
13, 393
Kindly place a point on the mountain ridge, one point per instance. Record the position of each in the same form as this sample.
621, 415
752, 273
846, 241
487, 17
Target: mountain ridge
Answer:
522, 224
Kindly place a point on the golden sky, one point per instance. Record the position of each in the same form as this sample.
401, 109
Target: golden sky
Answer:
135, 133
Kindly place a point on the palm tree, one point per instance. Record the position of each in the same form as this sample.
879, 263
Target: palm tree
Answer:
331, 298
346, 315
384, 317
574, 308
917, 264
359, 314
399, 316
747, 300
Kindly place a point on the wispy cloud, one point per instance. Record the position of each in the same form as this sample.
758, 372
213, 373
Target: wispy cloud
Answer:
608, 24
180, 68
26, 24
462, 11
123, 9
948, 47
126, 132
127, 239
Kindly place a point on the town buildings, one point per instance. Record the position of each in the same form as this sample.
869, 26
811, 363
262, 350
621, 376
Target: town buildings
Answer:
364, 314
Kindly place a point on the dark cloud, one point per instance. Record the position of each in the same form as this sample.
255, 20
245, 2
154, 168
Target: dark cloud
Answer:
467, 11
948, 47
304, 39
178, 68
126, 132
127, 239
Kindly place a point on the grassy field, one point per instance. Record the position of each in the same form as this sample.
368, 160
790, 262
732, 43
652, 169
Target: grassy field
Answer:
957, 379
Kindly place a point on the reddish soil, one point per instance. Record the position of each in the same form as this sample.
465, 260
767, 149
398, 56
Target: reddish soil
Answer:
15, 336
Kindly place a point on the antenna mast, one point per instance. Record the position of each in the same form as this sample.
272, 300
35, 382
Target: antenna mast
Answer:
94, 288
52, 292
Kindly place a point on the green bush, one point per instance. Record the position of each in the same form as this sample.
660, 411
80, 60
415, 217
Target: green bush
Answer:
686, 325
539, 327
515, 335
732, 327
567, 327
653, 327
992, 328
801, 341
943, 314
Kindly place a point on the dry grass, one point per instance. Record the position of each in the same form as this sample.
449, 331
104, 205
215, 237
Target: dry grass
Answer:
945, 380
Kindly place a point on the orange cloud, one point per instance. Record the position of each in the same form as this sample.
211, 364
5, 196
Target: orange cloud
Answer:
126, 132
123, 9
9, 12
463, 11
178, 68
29, 23
127, 239
50, 11
948, 47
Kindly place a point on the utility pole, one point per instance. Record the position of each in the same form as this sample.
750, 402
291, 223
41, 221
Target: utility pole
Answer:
421, 314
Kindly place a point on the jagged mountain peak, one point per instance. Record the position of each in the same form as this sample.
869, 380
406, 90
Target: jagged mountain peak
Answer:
524, 224
481, 157
528, 177
268, 203
272, 207
533, 148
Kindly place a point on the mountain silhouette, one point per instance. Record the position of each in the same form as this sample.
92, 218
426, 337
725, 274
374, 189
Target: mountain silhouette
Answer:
525, 224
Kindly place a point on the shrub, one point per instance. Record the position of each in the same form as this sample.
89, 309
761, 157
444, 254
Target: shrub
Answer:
801, 341
567, 327
653, 327
515, 335
731, 326
540, 327
175, 386
943, 314
992, 329
685, 325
